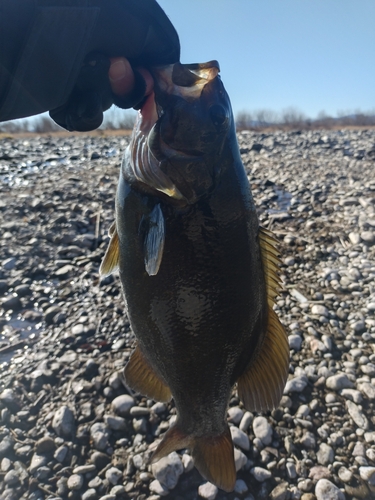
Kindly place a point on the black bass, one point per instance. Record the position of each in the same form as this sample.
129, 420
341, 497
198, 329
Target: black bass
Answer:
199, 275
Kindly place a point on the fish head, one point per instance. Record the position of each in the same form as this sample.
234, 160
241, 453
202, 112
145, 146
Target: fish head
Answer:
181, 131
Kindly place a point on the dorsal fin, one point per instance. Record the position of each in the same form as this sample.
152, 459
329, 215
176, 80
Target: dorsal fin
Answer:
111, 258
141, 377
261, 386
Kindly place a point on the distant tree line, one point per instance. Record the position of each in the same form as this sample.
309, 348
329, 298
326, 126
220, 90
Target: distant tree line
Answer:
292, 118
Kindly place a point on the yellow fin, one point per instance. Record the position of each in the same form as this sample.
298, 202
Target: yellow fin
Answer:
261, 386
271, 264
213, 455
111, 258
142, 378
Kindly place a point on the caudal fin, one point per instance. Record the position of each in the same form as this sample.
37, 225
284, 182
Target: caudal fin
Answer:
213, 456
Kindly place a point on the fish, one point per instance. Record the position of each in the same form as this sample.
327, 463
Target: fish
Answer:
199, 274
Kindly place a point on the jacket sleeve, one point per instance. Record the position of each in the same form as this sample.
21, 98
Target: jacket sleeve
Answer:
43, 45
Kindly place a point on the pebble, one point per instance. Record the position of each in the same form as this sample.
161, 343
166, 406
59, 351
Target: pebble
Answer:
280, 492
168, 470
338, 382
208, 491
240, 487
60, 453
235, 415
357, 415
36, 462
75, 482
122, 404
325, 490
368, 474
63, 422
260, 474
295, 342
246, 421
297, 384
113, 474
156, 487
240, 459
115, 423
325, 454
262, 430
240, 438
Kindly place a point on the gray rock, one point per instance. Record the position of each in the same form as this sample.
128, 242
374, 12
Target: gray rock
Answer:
159, 408
156, 487
367, 389
90, 494
168, 470
139, 411
345, 474
239, 438
240, 459
187, 462
295, 342
9, 264
240, 487
280, 492
261, 474
368, 369
357, 415
61, 453
308, 440
113, 474
262, 430
84, 469
325, 490
319, 310
291, 470
75, 482
64, 423
352, 394
235, 415
11, 478
338, 382
368, 474
50, 314
122, 404
208, 491
325, 454
246, 421
36, 462
115, 423
296, 384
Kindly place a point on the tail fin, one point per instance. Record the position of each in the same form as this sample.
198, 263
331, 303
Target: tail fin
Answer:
213, 456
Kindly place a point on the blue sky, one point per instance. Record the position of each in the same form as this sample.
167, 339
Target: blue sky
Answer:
313, 55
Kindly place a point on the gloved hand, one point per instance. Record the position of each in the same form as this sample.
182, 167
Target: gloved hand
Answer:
62, 54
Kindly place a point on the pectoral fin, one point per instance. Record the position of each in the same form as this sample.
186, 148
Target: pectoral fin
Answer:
111, 258
261, 386
142, 378
154, 241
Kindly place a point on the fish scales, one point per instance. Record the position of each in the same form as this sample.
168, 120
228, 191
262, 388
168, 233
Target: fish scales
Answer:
198, 274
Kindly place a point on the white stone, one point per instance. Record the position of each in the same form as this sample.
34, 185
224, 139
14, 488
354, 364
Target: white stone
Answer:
63, 422
296, 384
368, 474
208, 491
262, 430
239, 438
325, 490
260, 474
240, 459
75, 482
319, 310
168, 470
356, 414
113, 474
122, 404
338, 381
187, 462
240, 487
235, 415
156, 487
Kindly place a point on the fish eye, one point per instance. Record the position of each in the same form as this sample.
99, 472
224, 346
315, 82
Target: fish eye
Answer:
218, 115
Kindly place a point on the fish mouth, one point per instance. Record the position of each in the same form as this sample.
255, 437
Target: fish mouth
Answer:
148, 152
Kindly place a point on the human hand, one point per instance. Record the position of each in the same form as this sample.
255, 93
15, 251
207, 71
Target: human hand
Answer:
102, 81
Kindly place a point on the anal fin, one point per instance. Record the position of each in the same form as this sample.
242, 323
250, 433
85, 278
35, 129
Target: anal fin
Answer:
142, 378
213, 455
261, 386
111, 258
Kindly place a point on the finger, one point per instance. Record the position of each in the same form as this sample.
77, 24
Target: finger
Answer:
121, 76
148, 79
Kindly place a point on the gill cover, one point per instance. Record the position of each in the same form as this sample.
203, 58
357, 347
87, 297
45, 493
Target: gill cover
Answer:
179, 131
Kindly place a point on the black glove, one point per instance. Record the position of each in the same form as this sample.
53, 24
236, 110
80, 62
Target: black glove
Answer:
62, 64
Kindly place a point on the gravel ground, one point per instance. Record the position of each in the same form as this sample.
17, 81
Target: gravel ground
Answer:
69, 428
